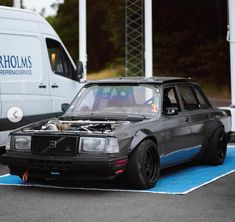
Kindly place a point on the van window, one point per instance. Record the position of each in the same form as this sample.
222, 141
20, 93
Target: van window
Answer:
60, 63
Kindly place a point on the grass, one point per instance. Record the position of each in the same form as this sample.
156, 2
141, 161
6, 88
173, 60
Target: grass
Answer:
216, 91
106, 73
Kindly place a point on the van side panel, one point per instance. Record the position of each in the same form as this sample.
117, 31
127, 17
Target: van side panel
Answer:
0, 114
24, 88
30, 89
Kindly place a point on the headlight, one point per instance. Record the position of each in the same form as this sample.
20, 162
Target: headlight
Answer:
111, 145
22, 142
88, 144
99, 145
8, 143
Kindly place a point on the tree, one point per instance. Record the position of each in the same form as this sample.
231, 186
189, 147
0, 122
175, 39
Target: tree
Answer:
105, 36
105, 21
7, 2
66, 25
189, 36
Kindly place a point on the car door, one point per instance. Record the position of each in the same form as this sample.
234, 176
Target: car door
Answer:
177, 129
197, 107
61, 72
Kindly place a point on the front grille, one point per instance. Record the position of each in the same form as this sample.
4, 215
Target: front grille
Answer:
50, 164
55, 145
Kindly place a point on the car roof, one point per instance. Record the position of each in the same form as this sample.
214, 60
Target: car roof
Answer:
143, 80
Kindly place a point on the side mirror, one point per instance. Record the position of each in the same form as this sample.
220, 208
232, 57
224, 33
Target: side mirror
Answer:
170, 111
64, 107
79, 71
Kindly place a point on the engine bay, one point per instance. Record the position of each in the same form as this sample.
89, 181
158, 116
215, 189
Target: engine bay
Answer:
75, 126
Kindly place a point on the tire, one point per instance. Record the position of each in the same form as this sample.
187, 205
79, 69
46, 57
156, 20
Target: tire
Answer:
216, 149
143, 167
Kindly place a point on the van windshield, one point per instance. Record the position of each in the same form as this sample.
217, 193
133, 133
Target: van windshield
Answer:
116, 99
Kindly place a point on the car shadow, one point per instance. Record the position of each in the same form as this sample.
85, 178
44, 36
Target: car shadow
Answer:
118, 183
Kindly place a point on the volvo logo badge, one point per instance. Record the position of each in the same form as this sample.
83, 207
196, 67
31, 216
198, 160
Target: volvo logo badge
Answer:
52, 144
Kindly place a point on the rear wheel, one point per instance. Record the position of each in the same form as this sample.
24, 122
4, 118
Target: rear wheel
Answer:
216, 149
143, 167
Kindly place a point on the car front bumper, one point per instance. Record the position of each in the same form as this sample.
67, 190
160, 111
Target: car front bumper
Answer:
68, 167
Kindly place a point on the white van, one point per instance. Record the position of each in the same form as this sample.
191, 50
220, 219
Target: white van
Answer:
37, 74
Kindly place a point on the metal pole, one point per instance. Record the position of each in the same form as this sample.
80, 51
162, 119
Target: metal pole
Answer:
126, 39
231, 39
17, 3
148, 39
82, 36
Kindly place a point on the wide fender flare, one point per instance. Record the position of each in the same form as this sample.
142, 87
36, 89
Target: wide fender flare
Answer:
216, 124
141, 135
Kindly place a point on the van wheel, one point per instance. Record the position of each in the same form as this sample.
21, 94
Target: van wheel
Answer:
216, 149
143, 167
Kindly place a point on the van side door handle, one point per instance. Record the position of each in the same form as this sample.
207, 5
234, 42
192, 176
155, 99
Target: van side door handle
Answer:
42, 86
54, 86
186, 119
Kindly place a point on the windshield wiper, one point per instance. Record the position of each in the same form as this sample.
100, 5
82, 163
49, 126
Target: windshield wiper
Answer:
106, 116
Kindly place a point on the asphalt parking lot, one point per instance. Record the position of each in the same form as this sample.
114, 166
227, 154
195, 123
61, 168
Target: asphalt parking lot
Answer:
213, 202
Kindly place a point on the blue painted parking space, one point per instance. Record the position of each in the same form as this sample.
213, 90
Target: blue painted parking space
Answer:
180, 181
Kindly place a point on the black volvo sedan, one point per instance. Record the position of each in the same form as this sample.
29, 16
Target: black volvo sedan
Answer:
128, 126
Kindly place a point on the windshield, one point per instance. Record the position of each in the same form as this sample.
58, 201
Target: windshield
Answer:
116, 99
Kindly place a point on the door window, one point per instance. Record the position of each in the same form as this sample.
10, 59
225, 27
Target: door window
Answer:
60, 63
170, 98
203, 104
189, 98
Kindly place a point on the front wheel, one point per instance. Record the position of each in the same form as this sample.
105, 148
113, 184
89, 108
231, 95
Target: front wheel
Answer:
143, 167
216, 149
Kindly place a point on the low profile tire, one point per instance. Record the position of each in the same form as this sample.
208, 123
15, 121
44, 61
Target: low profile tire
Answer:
216, 149
143, 167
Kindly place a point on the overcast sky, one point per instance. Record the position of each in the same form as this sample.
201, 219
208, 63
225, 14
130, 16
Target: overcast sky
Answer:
38, 5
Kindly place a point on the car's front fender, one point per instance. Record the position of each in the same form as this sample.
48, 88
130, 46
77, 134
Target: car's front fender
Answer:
139, 136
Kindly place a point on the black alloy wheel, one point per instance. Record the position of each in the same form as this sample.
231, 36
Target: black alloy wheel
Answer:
143, 167
221, 146
150, 164
215, 152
